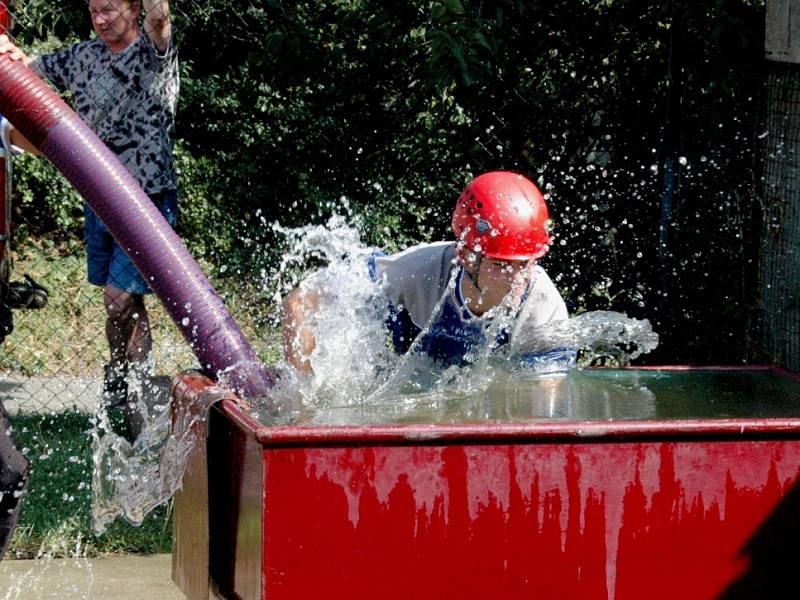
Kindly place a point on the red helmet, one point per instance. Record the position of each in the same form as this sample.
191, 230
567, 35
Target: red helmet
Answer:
502, 215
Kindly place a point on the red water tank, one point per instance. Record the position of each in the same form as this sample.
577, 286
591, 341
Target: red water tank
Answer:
698, 507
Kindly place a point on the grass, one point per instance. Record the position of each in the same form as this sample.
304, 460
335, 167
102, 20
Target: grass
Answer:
66, 339
56, 514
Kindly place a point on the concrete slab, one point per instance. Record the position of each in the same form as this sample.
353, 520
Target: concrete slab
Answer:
130, 577
51, 394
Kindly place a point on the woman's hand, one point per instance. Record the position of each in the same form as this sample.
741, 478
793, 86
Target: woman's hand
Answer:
8, 47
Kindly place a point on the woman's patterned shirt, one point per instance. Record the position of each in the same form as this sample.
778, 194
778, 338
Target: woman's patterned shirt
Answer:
128, 98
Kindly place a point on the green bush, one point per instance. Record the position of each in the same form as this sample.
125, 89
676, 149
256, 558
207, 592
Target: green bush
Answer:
628, 113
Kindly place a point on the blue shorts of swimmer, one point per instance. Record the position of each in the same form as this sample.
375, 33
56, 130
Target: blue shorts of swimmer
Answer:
106, 261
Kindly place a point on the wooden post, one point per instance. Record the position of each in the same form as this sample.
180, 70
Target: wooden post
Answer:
782, 32
192, 396
779, 269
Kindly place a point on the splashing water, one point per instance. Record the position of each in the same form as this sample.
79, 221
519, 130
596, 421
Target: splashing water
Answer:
349, 325
35, 581
355, 366
600, 333
73, 576
131, 479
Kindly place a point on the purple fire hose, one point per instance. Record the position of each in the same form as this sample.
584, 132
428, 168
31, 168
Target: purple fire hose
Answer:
137, 225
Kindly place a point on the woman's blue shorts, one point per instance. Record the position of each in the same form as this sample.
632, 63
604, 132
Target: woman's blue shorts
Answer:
106, 261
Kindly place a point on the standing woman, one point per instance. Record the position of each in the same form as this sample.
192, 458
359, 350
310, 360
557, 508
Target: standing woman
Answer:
124, 85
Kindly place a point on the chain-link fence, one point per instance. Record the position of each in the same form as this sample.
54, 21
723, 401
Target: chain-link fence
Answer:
639, 120
55, 356
74, 349
83, 317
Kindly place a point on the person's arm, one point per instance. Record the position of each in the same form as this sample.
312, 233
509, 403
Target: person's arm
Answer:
8, 47
157, 24
51, 67
298, 339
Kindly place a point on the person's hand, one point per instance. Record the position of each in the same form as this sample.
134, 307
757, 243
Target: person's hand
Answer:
8, 47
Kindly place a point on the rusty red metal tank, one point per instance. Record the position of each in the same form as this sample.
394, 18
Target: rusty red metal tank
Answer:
687, 489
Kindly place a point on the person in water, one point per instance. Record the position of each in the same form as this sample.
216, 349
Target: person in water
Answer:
502, 227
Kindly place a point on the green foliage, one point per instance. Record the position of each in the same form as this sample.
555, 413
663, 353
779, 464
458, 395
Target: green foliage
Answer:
619, 108
40, 19
45, 205
206, 219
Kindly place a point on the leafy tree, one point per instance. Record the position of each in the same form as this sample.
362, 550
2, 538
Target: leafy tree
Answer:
638, 118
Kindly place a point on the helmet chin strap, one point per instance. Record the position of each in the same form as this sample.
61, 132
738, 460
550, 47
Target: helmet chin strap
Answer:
477, 265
